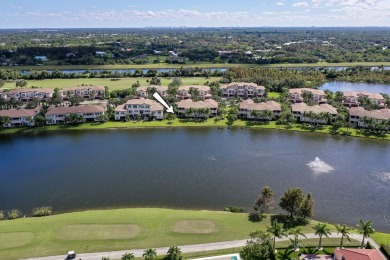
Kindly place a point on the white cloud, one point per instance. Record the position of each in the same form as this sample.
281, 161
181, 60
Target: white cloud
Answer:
301, 4
280, 3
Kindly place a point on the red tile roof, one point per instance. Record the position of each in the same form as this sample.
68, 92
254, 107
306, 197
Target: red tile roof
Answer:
357, 254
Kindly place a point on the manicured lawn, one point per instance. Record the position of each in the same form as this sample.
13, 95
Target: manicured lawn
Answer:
123, 83
273, 94
193, 65
382, 238
120, 229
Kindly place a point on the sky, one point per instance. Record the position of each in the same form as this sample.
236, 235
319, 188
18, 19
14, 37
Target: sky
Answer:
192, 13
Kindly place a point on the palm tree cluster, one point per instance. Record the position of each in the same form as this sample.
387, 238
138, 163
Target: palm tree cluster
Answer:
198, 112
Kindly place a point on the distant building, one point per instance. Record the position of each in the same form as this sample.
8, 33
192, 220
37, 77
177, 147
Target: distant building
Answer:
243, 89
41, 58
143, 90
28, 94
101, 53
184, 92
296, 95
351, 98
95, 92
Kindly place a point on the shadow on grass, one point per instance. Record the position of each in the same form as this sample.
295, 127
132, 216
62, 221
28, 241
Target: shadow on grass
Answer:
285, 254
289, 222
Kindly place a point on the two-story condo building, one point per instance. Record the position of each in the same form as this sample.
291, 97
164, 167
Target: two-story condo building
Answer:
19, 117
295, 95
299, 110
243, 89
247, 106
356, 115
88, 92
28, 94
351, 98
143, 90
184, 92
185, 104
139, 107
56, 115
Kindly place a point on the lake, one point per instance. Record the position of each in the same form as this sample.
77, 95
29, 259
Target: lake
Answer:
354, 86
195, 168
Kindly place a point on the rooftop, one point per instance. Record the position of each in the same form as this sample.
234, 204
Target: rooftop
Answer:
251, 105
188, 103
74, 110
323, 108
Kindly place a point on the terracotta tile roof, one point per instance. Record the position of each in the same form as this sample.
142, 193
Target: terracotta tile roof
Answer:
382, 114
357, 254
14, 113
188, 103
237, 84
199, 87
363, 93
251, 105
83, 87
323, 108
302, 90
154, 105
27, 90
74, 110
158, 88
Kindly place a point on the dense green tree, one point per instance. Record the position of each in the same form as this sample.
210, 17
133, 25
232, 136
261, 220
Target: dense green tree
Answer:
307, 208
292, 201
265, 200
258, 247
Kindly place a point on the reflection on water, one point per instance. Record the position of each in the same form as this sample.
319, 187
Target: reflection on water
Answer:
195, 168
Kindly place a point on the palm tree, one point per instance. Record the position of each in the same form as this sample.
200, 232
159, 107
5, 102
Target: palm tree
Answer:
365, 228
128, 256
277, 231
174, 253
321, 230
297, 231
344, 231
150, 254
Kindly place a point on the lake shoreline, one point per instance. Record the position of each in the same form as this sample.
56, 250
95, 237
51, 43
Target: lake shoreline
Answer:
239, 124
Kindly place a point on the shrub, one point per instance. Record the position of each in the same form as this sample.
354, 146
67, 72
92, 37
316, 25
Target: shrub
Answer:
256, 217
2, 215
234, 209
385, 250
42, 211
14, 214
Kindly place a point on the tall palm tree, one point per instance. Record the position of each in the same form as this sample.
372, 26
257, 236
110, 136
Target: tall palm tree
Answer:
344, 230
321, 230
297, 231
365, 228
149, 254
277, 231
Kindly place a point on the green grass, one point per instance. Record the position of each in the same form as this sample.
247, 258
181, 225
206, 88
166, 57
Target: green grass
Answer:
193, 65
273, 94
123, 83
155, 230
381, 238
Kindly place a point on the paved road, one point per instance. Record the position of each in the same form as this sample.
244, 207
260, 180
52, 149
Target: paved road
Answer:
185, 249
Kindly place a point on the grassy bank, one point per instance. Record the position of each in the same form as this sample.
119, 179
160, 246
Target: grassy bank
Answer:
193, 65
187, 123
119, 229
115, 84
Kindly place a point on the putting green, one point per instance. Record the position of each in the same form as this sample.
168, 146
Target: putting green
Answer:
195, 226
98, 231
15, 239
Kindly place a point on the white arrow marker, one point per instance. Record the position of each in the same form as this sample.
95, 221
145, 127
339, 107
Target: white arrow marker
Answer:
161, 100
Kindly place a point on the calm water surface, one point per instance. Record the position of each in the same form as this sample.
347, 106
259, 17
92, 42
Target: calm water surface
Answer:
353, 86
194, 168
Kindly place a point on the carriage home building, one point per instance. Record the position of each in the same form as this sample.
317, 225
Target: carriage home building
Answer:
184, 105
247, 106
57, 115
19, 117
184, 92
139, 107
28, 94
144, 91
243, 89
297, 95
300, 110
351, 98
358, 114
89, 92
